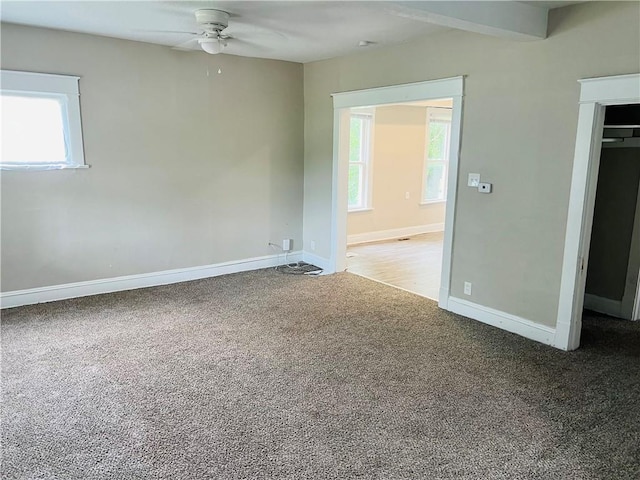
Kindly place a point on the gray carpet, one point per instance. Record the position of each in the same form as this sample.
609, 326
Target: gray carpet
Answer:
262, 375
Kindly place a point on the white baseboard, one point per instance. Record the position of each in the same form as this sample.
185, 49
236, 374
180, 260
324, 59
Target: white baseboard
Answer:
505, 321
603, 305
393, 233
130, 282
323, 263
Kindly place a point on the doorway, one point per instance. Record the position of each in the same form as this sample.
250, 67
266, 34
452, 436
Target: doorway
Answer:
397, 188
596, 95
451, 88
614, 252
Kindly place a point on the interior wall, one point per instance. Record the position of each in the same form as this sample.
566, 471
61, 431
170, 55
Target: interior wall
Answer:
613, 222
518, 131
188, 167
398, 153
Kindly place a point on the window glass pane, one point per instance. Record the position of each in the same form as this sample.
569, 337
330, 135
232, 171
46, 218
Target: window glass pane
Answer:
355, 139
435, 181
437, 140
32, 130
355, 185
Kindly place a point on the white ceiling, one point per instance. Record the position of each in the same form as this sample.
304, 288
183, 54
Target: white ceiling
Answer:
298, 31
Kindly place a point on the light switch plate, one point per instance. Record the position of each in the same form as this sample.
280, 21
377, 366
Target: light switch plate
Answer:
474, 180
484, 188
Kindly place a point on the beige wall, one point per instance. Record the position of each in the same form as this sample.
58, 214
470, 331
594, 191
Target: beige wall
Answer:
518, 131
188, 167
613, 220
398, 163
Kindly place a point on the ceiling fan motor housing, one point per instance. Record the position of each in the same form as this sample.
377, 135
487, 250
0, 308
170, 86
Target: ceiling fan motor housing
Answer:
212, 19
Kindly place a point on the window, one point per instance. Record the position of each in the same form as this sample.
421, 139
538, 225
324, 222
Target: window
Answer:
41, 126
436, 165
359, 160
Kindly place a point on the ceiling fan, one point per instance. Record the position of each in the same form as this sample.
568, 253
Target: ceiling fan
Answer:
211, 37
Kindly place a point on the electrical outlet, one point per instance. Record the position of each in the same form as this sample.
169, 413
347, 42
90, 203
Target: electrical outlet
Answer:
407, 195
474, 180
484, 188
467, 288
313, 245
287, 244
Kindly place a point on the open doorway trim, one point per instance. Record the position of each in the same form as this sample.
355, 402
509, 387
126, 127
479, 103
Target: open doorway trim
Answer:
429, 90
595, 95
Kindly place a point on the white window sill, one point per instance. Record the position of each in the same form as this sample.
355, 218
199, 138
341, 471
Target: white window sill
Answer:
358, 210
431, 202
42, 167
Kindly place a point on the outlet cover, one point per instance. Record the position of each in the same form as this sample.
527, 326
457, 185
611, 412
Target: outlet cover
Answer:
474, 180
467, 288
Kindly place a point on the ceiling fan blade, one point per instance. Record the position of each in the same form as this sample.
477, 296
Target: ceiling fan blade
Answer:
169, 31
186, 45
241, 42
253, 34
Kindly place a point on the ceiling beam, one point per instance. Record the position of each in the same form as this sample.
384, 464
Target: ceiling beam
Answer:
513, 20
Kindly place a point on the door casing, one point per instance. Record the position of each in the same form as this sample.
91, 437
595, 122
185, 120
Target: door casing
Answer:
595, 95
429, 90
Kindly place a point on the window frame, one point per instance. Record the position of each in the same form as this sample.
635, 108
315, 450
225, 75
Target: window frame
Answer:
64, 88
435, 114
366, 153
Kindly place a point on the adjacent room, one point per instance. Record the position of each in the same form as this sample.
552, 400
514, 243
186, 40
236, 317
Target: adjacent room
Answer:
398, 167
224, 226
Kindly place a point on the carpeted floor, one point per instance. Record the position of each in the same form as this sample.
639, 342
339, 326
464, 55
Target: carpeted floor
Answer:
262, 375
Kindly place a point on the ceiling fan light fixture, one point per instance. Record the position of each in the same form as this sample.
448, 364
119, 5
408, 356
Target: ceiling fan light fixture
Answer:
212, 46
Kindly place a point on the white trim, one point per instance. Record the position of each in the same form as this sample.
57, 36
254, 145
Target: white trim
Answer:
13, 80
616, 90
505, 321
408, 92
581, 204
443, 297
452, 188
340, 191
313, 259
393, 233
444, 88
603, 305
49, 166
595, 94
130, 282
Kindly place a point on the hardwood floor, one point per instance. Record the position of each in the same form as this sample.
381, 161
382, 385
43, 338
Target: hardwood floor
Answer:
414, 264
